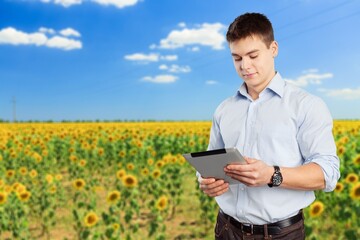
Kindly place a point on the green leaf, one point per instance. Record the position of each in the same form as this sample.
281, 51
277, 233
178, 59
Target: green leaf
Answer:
109, 232
85, 234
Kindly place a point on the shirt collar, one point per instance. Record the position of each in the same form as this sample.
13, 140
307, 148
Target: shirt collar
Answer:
276, 85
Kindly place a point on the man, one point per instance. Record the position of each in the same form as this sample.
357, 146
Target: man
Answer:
286, 134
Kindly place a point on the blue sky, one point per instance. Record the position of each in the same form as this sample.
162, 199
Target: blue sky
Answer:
164, 59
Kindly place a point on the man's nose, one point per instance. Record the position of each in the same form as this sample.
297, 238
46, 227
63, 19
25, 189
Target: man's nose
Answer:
244, 63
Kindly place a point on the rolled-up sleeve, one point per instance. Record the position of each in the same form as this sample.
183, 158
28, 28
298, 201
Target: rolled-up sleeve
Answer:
316, 140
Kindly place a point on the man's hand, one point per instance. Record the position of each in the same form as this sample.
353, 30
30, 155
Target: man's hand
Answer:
254, 173
213, 187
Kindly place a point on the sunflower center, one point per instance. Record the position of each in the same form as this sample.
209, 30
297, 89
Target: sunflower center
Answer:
129, 181
316, 209
91, 219
357, 192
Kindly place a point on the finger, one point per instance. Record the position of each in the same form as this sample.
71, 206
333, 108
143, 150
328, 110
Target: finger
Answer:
207, 181
204, 185
219, 191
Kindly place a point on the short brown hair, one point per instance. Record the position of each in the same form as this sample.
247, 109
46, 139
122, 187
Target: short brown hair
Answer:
250, 24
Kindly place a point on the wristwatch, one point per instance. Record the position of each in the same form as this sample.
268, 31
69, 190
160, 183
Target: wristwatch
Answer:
276, 178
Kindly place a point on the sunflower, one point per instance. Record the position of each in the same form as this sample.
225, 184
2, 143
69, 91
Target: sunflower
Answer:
37, 157
150, 161
156, 173
160, 163
82, 163
162, 203
58, 177
24, 196
129, 181
23, 171
10, 173
1, 157
120, 174
79, 184
116, 226
91, 219
73, 158
145, 171
49, 178
113, 197
339, 187
33, 173
173, 159
316, 209
3, 198
122, 153
100, 152
130, 166
356, 159
341, 150
18, 187
352, 178
52, 189
355, 192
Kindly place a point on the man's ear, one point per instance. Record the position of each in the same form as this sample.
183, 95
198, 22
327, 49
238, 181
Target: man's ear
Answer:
274, 48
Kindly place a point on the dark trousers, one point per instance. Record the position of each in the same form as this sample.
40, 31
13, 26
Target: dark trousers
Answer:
224, 230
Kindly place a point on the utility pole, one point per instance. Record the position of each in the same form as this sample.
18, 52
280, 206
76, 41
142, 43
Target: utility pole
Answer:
14, 108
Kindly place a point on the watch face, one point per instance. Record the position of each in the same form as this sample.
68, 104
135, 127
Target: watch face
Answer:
277, 179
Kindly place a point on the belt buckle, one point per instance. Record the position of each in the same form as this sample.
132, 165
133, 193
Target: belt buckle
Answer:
251, 229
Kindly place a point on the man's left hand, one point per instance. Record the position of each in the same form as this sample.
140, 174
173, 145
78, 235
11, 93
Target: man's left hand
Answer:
255, 173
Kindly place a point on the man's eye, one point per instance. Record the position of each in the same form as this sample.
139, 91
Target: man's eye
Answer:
237, 59
254, 56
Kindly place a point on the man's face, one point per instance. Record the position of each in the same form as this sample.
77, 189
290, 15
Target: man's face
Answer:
254, 62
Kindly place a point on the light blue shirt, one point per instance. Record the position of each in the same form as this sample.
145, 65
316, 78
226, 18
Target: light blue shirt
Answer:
285, 126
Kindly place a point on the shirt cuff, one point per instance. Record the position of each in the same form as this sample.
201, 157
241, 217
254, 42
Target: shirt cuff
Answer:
330, 168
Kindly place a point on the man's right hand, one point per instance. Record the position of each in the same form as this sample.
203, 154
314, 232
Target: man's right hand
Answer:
213, 187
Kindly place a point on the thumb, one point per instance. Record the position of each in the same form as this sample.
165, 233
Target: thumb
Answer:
249, 160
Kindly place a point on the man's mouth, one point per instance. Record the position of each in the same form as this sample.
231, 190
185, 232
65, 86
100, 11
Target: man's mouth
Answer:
249, 75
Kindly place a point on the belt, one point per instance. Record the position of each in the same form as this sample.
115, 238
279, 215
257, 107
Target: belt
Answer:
272, 228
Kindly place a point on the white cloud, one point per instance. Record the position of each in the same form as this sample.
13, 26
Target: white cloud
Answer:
12, 36
175, 68
151, 57
163, 67
15, 37
64, 3
161, 79
47, 30
169, 57
182, 24
117, 3
311, 70
206, 34
194, 49
69, 32
310, 77
345, 93
63, 43
211, 82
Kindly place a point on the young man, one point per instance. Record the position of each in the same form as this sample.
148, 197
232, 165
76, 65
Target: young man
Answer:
286, 134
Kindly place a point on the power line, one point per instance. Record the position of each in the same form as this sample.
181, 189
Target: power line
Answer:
314, 15
320, 26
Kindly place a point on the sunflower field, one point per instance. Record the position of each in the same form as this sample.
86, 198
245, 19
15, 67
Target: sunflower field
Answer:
129, 181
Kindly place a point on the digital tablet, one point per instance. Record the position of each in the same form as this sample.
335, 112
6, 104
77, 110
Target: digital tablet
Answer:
211, 163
